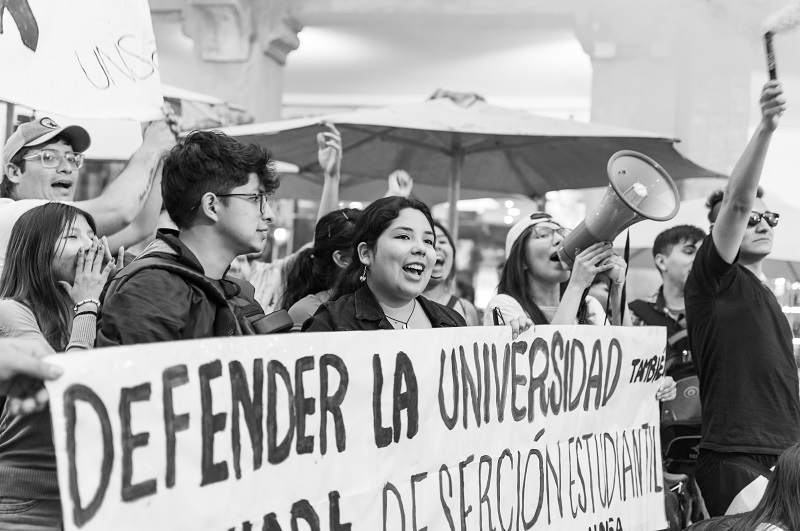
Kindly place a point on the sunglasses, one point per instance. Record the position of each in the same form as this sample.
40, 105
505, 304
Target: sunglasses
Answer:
756, 217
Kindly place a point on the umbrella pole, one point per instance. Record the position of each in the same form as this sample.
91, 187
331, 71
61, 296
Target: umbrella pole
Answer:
456, 167
9, 121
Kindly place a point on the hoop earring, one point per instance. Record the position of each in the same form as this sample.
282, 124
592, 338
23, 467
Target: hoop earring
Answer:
363, 276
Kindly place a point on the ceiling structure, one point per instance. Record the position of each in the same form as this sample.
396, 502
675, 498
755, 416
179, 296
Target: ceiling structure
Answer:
690, 69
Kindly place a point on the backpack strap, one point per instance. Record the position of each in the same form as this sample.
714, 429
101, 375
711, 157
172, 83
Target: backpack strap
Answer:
653, 317
676, 331
213, 291
650, 315
226, 320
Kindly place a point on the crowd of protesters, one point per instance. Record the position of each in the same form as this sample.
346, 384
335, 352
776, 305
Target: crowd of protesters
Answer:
64, 286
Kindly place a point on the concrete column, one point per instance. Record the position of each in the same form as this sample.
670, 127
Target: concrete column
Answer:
673, 67
233, 49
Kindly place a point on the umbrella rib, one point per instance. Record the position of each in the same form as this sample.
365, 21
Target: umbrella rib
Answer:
519, 175
446, 148
492, 145
355, 145
387, 135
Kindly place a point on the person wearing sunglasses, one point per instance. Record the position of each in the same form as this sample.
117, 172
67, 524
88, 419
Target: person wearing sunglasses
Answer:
41, 162
215, 189
741, 340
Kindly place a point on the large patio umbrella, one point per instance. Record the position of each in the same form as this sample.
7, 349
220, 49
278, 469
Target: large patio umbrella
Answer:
460, 140
308, 185
784, 261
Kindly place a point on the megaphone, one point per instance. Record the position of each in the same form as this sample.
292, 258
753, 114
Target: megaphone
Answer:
640, 189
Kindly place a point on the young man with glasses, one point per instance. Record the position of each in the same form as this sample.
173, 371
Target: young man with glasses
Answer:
215, 189
41, 162
740, 339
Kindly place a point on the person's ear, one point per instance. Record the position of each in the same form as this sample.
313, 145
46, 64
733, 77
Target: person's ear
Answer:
661, 263
365, 255
341, 259
208, 206
13, 172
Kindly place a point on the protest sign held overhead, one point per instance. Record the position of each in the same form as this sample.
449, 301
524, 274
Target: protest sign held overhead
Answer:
362, 431
84, 58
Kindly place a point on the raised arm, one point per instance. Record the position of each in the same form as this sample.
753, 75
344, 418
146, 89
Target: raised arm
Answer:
145, 224
740, 192
330, 158
123, 199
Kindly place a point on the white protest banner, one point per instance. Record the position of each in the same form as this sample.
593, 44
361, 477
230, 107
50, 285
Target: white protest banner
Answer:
82, 58
363, 431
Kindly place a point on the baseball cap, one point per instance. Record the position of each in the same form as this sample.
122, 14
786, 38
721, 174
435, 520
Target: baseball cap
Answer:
40, 131
521, 226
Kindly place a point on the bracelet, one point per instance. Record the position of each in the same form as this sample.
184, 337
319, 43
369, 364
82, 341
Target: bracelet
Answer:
86, 312
86, 301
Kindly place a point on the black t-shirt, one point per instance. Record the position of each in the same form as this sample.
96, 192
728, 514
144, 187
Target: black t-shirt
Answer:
742, 347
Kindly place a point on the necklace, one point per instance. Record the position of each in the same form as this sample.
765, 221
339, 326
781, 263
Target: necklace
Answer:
403, 324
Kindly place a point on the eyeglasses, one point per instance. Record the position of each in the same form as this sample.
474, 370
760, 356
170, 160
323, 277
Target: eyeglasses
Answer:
261, 197
544, 233
771, 218
51, 158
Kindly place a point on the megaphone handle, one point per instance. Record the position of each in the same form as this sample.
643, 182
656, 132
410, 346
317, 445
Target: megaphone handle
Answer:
626, 257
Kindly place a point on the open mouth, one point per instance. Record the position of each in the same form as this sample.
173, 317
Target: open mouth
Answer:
62, 185
439, 261
554, 257
414, 269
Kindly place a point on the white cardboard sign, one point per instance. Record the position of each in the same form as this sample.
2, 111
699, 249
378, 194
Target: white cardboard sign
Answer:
432, 430
81, 58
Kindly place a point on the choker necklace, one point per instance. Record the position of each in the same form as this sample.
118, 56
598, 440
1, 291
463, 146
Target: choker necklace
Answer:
403, 324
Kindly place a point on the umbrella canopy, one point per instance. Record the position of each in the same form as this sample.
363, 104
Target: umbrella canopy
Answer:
463, 141
784, 261
296, 185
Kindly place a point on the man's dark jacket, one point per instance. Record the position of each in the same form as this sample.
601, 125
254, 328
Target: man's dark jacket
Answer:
158, 305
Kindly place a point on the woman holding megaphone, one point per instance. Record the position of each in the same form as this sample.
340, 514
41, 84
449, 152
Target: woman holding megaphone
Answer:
538, 264
532, 279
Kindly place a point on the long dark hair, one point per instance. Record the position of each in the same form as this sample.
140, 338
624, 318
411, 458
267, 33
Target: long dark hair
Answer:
313, 270
375, 219
451, 275
514, 282
28, 276
779, 505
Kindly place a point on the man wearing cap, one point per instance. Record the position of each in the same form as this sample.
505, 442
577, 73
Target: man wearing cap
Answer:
41, 162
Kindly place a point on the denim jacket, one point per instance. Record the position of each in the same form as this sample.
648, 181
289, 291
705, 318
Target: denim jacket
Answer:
361, 311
